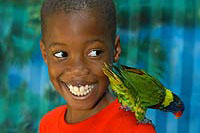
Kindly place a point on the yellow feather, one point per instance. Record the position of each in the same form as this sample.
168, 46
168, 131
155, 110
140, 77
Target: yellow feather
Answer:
168, 98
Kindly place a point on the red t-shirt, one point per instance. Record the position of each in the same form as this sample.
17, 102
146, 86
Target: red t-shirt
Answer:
109, 120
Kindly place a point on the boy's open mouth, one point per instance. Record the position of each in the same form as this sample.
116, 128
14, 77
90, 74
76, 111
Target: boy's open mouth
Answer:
79, 90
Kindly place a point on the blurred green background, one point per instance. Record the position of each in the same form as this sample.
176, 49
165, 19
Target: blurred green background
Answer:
160, 36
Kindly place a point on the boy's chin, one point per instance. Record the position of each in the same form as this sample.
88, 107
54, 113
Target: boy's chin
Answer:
81, 106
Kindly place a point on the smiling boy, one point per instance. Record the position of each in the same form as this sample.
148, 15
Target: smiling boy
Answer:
78, 37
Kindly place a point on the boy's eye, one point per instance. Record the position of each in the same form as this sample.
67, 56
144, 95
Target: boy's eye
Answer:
94, 53
60, 54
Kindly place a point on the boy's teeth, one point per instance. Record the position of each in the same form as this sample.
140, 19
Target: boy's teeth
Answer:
76, 89
80, 91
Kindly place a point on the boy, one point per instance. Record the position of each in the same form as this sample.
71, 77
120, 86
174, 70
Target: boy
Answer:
78, 37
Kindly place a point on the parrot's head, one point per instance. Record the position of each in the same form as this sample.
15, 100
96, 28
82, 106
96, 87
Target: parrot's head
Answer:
178, 114
178, 105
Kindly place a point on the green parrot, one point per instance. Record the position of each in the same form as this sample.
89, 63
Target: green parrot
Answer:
137, 91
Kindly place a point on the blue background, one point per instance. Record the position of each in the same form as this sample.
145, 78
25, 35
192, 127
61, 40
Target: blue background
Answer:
160, 36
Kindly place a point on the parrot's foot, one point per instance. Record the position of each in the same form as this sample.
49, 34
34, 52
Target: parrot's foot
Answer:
124, 108
145, 121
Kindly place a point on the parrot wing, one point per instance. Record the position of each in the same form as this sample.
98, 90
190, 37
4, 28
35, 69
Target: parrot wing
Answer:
150, 91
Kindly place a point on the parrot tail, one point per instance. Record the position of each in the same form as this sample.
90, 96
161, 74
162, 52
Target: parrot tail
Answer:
107, 69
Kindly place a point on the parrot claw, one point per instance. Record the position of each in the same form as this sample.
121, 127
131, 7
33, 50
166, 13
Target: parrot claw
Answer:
145, 121
124, 108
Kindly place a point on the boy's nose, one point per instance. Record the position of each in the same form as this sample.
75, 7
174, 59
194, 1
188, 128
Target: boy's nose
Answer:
78, 68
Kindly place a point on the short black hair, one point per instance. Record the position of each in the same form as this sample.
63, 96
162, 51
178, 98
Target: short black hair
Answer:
106, 8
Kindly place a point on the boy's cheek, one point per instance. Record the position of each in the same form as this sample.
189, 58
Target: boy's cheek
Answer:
55, 70
98, 70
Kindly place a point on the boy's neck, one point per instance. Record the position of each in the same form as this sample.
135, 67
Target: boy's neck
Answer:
75, 115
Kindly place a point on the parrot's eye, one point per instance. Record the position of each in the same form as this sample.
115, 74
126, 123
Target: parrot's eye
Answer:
60, 54
95, 53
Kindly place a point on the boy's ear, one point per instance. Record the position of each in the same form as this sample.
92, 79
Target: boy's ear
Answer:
117, 49
43, 51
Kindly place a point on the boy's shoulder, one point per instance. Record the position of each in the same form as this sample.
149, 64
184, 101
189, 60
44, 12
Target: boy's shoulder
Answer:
111, 119
124, 121
54, 114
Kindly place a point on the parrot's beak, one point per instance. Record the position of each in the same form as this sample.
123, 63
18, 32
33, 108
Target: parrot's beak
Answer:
178, 114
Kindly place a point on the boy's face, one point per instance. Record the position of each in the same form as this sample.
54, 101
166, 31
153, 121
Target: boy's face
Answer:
75, 46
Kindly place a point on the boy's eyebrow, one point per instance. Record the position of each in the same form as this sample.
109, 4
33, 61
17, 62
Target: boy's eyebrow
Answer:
53, 44
95, 40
